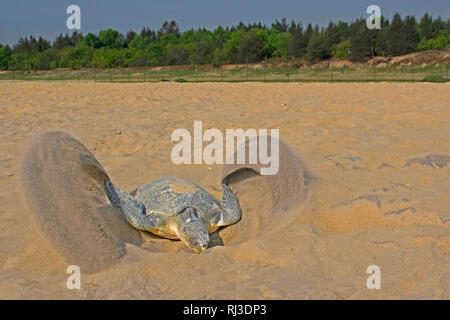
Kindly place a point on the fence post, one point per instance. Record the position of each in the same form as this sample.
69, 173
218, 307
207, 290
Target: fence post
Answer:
129, 76
374, 73
94, 75
264, 75
109, 75
195, 73
144, 75
222, 73
332, 71
412, 75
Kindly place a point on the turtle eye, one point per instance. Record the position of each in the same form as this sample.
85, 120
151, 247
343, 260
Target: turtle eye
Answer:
191, 215
194, 215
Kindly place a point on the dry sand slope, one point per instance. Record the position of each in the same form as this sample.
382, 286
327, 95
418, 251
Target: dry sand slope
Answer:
378, 154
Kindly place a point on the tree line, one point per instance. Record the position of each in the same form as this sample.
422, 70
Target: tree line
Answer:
242, 43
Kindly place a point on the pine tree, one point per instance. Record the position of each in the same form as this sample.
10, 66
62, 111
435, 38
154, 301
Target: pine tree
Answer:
42, 44
169, 28
426, 27
147, 33
380, 45
394, 36
129, 37
5, 57
308, 33
22, 46
332, 34
343, 30
410, 35
280, 26
402, 36
318, 48
437, 25
297, 43
362, 41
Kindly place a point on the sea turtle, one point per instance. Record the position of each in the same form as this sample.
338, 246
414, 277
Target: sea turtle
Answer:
174, 208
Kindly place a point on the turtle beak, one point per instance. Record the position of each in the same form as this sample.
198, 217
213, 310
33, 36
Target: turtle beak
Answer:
199, 237
202, 247
196, 236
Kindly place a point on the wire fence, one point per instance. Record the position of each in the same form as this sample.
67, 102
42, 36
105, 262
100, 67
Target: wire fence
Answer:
430, 73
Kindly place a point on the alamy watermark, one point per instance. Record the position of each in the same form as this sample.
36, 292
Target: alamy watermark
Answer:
74, 280
374, 20
374, 280
73, 22
214, 153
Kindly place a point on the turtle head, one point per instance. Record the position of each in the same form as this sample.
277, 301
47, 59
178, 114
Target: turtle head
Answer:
192, 230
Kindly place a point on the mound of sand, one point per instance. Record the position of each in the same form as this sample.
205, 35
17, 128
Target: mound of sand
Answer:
63, 187
267, 200
423, 58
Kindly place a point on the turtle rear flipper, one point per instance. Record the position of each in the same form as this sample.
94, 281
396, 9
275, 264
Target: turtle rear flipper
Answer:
231, 211
132, 209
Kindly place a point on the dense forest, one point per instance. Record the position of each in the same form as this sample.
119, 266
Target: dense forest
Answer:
282, 41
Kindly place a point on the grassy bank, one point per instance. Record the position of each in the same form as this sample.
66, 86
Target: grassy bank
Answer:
289, 74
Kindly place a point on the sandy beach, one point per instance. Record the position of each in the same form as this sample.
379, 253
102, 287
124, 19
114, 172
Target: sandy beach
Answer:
378, 152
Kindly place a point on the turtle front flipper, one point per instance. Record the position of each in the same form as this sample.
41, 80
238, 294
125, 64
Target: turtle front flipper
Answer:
231, 211
132, 209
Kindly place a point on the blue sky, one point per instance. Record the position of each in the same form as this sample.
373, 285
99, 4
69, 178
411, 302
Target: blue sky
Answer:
47, 18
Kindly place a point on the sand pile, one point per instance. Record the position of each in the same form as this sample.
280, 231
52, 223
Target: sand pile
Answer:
267, 200
63, 187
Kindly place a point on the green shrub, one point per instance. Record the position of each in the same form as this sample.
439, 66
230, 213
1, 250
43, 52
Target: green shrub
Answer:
441, 42
341, 50
5, 57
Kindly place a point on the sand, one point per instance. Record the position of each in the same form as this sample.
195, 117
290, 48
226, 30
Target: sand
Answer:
63, 188
377, 157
